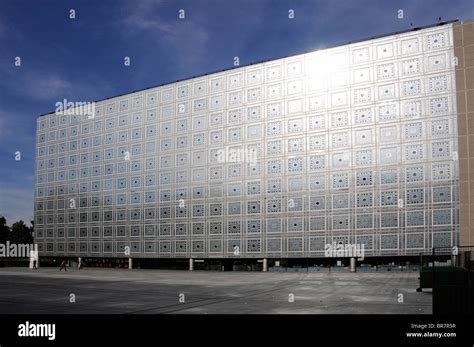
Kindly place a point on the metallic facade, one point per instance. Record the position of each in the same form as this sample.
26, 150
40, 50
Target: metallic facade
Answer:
353, 144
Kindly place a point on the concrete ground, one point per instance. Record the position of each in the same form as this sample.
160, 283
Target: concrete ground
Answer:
49, 291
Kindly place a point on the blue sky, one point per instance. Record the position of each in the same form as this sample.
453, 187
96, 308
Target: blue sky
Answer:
82, 59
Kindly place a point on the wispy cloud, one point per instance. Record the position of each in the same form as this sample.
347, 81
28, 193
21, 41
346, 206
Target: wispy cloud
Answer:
46, 87
32, 83
143, 17
188, 37
51, 85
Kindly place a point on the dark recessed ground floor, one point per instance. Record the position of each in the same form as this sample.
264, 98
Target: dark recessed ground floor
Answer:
404, 263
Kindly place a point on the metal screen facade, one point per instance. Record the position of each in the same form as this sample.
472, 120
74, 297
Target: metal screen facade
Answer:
352, 144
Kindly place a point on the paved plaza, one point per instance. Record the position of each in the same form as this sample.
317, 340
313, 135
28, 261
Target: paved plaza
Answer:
121, 291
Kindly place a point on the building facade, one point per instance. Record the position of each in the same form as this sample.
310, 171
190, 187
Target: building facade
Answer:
361, 143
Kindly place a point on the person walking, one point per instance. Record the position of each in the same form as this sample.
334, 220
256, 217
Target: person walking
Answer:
34, 265
63, 266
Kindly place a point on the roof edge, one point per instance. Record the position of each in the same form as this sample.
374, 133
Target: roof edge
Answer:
276, 58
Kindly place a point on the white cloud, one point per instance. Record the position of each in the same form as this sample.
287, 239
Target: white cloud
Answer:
142, 17
34, 84
188, 37
39, 86
46, 87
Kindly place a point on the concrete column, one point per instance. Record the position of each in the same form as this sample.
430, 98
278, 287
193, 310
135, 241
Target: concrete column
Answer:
34, 256
191, 264
353, 264
454, 260
265, 265
130, 263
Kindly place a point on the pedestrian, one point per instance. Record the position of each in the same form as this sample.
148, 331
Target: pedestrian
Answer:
80, 264
34, 265
63, 266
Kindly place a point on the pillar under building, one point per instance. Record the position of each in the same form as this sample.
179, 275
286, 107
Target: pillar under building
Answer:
353, 264
34, 257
